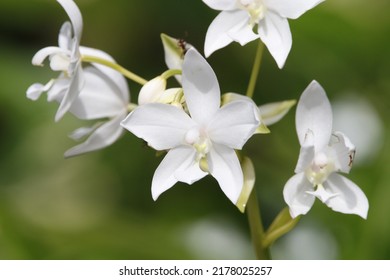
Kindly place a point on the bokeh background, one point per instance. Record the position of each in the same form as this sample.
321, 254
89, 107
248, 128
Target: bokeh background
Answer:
99, 206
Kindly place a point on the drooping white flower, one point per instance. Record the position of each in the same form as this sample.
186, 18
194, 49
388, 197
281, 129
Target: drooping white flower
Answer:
209, 134
239, 17
104, 97
66, 58
322, 154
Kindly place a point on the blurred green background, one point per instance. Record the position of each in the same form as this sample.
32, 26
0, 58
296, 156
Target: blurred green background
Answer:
99, 206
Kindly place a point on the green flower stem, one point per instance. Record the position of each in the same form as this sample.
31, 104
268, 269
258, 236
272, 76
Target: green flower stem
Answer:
115, 66
255, 70
171, 72
256, 227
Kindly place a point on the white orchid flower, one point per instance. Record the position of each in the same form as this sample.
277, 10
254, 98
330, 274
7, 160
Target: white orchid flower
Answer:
322, 154
65, 58
208, 136
105, 95
238, 18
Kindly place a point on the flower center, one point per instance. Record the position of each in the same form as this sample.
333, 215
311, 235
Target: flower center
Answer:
199, 141
255, 8
320, 169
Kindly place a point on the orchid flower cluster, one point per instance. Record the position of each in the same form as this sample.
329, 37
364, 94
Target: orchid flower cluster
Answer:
201, 131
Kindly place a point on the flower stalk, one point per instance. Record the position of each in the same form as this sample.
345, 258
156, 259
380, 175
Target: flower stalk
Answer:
128, 74
255, 70
256, 227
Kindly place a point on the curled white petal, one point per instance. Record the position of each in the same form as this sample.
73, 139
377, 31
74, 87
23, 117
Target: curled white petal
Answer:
314, 115
225, 167
200, 87
65, 36
74, 14
348, 198
35, 90
274, 31
296, 195
41, 55
177, 159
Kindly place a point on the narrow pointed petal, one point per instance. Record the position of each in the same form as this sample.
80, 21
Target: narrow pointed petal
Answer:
343, 152
41, 55
296, 196
200, 85
99, 98
65, 36
221, 5
234, 124
314, 115
102, 137
273, 112
177, 159
162, 126
348, 199
76, 85
225, 167
274, 31
74, 14
217, 35
291, 9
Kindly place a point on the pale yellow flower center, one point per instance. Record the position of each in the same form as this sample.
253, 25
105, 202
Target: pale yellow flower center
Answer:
255, 8
199, 140
320, 169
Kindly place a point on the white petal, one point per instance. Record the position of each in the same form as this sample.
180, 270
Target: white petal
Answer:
221, 5
74, 14
343, 152
225, 167
243, 34
115, 76
349, 199
102, 137
65, 36
273, 112
81, 132
275, 32
177, 159
59, 88
306, 156
217, 35
76, 84
41, 55
191, 174
99, 98
162, 126
234, 124
291, 9
200, 85
314, 115
35, 90
296, 196
59, 62
152, 90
